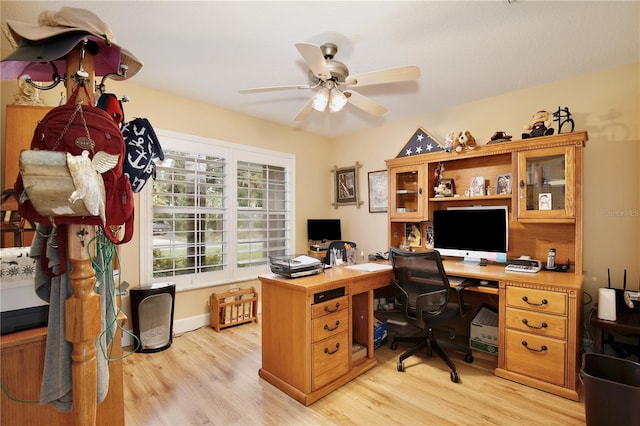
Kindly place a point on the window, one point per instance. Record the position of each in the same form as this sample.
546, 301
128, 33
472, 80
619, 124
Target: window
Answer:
215, 212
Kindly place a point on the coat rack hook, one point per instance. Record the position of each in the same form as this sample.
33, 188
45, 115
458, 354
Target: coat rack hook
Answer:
100, 87
55, 77
81, 75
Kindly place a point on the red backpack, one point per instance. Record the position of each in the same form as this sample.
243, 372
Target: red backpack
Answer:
74, 128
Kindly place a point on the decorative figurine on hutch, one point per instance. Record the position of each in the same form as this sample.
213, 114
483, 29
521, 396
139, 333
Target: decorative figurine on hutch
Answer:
440, 190
448, 142
563, 116
499, 136
539, 125
464, 140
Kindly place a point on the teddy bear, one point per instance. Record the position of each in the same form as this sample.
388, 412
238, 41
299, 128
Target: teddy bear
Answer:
464, 140
539, 125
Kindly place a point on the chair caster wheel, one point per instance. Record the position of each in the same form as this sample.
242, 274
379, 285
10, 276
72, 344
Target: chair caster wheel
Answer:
468, 358
400, 366
455, 378
394, 345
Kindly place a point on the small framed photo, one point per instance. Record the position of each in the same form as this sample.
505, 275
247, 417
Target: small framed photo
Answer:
413, 235
503, 184
428, 237
378, 191
544, 201
445, 188
476, 188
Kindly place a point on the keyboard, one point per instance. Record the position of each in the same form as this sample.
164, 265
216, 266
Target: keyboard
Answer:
455, 281
523, 265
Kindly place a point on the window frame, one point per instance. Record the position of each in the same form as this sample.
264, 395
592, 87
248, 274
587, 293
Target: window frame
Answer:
232, 153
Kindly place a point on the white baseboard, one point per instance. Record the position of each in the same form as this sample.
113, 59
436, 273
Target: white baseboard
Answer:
179, 327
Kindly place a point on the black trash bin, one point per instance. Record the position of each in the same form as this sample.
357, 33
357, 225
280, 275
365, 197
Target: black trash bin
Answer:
612, 390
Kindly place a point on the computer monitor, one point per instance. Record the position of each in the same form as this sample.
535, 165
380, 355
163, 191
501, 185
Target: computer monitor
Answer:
324, 230
473, 233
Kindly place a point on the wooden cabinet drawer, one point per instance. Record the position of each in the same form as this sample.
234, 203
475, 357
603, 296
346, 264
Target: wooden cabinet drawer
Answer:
330, 359
539, 357
329, 325
538, 300
537, 323
330, 306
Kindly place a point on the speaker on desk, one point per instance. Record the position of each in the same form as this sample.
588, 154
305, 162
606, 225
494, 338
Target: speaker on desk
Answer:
607, 304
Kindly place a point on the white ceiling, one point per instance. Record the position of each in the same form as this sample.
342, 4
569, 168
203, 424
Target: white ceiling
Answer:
466, 50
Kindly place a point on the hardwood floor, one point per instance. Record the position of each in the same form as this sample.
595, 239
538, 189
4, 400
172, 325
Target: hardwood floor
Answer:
209, 378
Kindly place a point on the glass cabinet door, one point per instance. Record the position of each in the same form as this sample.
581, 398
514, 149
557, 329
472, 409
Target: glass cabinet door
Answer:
546, 183
406, 193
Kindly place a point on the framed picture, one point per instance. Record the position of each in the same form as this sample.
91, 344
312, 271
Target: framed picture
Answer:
378, 191
346, 186
445, 188
428, 236
503, 184
413, 235
544, 201
476, 188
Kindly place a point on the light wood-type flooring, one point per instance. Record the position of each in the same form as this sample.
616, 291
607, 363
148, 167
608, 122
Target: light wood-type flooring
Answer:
209, 378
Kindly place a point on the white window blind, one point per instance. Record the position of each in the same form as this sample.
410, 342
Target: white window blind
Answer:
189, 214
215, 212
262, 213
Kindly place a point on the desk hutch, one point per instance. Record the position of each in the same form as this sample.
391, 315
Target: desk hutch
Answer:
307, 338
539, 317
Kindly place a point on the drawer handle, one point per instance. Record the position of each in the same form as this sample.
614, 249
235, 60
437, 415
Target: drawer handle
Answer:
542, 348
327, 309
525, 322
326, 326
327, 351
525, 299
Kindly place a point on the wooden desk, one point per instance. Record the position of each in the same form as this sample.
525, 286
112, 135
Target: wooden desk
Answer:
540, 316
306, 343
306, 348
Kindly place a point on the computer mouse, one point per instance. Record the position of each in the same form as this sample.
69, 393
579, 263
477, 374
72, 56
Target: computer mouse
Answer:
484, 282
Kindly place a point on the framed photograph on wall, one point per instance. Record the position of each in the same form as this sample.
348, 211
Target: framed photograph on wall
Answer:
378, 191
346, 186
503, 184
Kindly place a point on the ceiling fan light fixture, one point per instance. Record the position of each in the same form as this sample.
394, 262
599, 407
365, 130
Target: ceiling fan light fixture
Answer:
321, 99
337, 100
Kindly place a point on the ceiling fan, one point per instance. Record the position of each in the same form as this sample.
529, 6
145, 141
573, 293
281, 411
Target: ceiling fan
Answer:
329, 75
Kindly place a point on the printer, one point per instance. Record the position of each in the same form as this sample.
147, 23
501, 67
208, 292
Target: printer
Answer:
21, 308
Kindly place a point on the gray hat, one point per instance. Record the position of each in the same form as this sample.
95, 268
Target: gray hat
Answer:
56, 34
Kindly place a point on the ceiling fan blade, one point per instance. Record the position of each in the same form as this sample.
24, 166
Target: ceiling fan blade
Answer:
305, 111
314, 58
391, 75
364, 103
274, 88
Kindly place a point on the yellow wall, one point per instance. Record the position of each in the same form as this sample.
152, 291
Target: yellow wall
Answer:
606, 104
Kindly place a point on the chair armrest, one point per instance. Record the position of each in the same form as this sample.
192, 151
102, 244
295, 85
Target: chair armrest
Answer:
459, 292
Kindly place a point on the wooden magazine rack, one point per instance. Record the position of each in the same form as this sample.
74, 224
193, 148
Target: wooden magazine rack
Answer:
233, 308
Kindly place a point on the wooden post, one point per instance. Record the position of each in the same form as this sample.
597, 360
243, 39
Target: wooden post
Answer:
83, 307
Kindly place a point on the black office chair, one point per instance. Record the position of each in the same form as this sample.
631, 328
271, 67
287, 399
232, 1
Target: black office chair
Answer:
339, 245
423, 295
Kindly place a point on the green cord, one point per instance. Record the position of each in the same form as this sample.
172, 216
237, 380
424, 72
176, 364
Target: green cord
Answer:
6, 392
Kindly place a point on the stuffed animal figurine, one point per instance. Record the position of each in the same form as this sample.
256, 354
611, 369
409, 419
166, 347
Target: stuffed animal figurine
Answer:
464, 140
448, 142
539, 126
